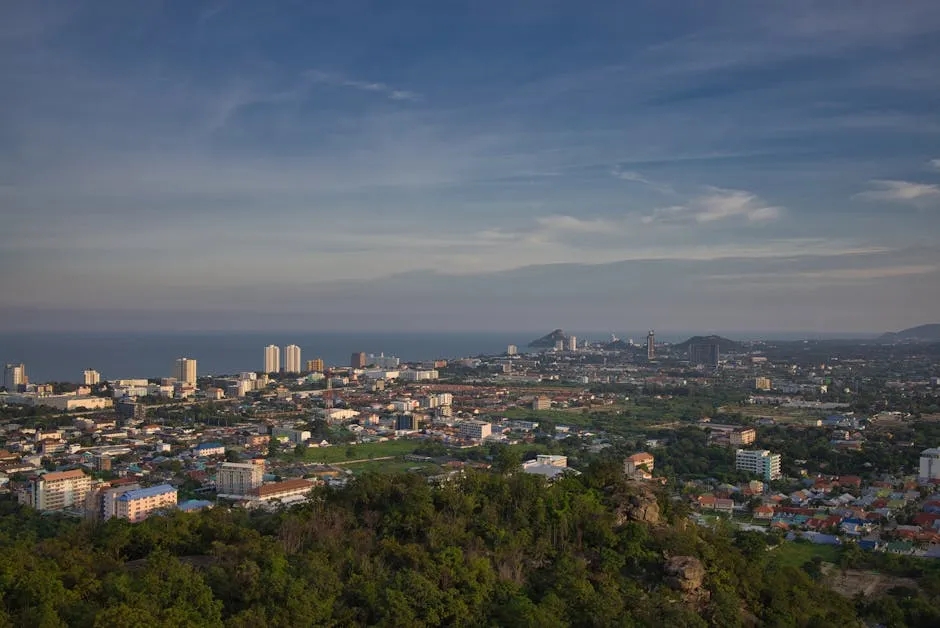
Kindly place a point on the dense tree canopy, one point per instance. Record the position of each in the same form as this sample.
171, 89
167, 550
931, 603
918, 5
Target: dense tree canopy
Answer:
487, 549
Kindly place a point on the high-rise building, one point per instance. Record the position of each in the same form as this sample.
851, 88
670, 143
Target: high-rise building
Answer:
239, 478
291, 359
651, 345
512, 350
315, 365
58, 490
185, 371
91, 377
572, 343
272, 359
758, 461
929, 465
704, 354
14, 376
357, 360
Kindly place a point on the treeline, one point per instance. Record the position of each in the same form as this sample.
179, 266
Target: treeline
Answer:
391, 550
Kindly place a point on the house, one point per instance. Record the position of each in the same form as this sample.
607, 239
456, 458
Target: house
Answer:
764, 512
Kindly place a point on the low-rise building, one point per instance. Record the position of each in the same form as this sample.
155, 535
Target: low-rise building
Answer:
138, 504
639, 465
475, 430
744, 436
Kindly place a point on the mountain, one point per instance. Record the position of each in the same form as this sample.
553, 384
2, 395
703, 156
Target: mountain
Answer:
921, 333
548, 341
724, 344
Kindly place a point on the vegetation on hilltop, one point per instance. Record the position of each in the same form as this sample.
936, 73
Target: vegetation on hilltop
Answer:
392, 550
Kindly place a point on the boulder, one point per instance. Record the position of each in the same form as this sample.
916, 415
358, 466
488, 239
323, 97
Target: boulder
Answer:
685, 573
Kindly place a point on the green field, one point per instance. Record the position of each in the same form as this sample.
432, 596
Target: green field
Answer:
796, 553
365, 451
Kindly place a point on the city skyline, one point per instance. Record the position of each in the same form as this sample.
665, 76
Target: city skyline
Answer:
363, 167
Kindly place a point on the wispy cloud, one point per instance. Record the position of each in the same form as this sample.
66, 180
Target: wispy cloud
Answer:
392, 93
900, 191
717, 204
934, 163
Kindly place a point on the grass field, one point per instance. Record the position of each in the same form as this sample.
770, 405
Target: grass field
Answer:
796, 553
396, 465
365, 451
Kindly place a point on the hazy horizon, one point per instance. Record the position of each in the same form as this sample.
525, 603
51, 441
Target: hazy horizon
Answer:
364, 165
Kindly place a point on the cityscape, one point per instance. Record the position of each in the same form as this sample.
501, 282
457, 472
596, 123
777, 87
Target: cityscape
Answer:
510, 313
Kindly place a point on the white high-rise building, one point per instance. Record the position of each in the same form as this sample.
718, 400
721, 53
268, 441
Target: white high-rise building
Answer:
758, 461
291, 359
185, 371
272, 359
14, 376
572, 343
929, 465
91, 377
512, 350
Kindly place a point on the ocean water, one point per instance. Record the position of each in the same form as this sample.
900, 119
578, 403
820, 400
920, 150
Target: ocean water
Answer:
62, 356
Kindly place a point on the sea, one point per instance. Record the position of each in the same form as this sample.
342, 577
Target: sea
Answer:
62, 356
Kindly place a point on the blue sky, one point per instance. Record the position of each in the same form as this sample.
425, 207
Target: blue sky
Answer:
470, 165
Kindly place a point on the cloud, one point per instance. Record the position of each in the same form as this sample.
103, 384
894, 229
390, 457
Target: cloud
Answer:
934, 163
318, 76
635, 177
833, 274
630, 175
715, 205
899, 191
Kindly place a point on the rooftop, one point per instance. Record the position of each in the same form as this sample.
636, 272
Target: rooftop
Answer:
150, 491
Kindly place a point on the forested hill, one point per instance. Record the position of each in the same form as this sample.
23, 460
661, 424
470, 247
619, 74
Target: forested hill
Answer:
485, 550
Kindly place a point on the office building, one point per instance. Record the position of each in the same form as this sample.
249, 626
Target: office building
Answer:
541, 403
185, 371
761, 462
91, 377
929, 470
272, 359
315, 365
744, 436
58, 490
357, 360
238, 479
291, 359
572, 343
704, 354
418, 375
512, 350
475, 430
139, 504
650, 345
406, 422
762, 383
14, 376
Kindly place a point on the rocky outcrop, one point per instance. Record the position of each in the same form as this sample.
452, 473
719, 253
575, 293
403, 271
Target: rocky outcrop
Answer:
638, 506
685, 573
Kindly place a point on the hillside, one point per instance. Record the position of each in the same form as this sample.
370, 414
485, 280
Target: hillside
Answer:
725, 345
489, 549
921, 333
548, 340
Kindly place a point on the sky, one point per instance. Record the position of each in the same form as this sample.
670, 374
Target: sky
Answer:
480, 165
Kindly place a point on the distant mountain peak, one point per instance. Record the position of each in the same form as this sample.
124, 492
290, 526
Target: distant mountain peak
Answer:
548, 340
922, 333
